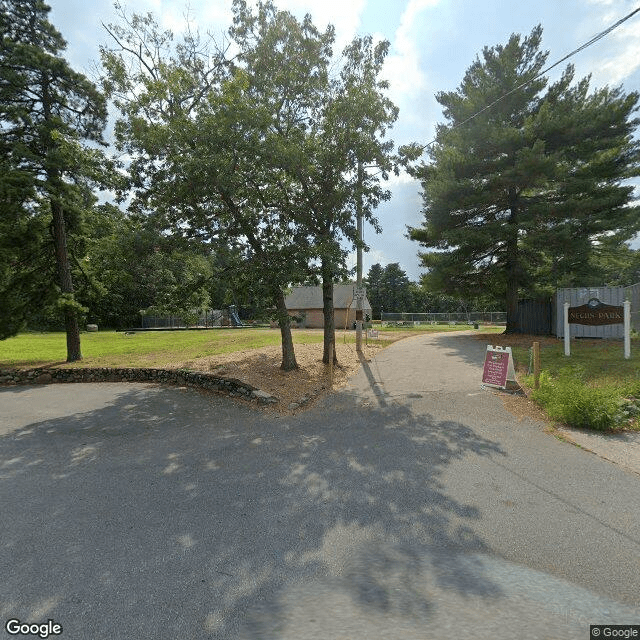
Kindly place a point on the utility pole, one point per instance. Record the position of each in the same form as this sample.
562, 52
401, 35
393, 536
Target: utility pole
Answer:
359, 290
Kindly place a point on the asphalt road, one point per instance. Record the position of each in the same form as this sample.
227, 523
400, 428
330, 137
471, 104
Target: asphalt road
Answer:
410, 505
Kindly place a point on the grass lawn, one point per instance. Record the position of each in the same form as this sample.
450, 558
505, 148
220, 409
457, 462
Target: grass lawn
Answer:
594, 387
147, 348
117, 349
595, 362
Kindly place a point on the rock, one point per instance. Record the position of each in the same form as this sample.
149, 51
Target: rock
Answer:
44, 378
293, 405
263, 397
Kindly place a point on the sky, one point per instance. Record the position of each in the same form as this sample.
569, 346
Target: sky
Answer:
432, 43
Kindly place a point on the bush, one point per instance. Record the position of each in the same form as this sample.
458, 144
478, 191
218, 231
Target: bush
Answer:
568, 399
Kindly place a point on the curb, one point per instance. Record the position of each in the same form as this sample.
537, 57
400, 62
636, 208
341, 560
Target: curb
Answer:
49, 375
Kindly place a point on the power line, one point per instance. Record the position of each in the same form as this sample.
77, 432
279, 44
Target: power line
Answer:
593, 40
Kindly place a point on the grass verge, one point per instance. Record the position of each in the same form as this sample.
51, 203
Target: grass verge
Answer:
593, 388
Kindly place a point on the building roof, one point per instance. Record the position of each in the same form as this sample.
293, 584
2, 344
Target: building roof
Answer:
311, 298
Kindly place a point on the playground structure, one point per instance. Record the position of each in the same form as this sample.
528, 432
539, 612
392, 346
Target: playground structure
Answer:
204, 319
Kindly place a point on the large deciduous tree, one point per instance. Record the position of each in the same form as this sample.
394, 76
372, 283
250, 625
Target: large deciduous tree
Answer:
518, 197
261, 150
207, 135
47, 112
343, 161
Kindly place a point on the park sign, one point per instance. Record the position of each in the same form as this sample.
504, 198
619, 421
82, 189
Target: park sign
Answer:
596, 313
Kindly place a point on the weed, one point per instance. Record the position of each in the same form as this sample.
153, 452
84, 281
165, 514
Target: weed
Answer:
568, 399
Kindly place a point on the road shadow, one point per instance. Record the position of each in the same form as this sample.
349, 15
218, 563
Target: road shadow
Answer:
169, 514
469, 348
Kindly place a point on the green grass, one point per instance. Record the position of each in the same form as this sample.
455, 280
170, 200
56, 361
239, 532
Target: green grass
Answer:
599, 362
594, 387
149, 348
155, 348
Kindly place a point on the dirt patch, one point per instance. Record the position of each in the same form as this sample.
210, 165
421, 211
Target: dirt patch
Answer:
261, 368
304, 386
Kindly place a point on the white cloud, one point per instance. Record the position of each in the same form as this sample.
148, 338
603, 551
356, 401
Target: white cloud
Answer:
403, 179
369, 258
402, 67
622, 55
344, 16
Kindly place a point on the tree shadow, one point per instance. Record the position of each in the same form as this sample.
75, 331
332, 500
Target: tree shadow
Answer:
466, 347
166, 513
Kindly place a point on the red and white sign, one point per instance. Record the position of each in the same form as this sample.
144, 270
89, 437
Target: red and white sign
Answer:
498, 367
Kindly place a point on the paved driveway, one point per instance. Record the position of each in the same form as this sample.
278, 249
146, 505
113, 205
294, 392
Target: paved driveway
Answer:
410, 505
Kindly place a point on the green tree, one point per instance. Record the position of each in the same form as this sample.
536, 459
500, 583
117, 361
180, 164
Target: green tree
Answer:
47, 111
208, 137
131, 266
614, 265
345, 160
281, 140
517, 197
396, 289
373, 282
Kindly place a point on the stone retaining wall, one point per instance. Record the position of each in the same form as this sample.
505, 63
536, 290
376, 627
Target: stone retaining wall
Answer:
228, 386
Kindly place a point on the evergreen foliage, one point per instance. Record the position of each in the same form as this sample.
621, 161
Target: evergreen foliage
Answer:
518, 199
47, 113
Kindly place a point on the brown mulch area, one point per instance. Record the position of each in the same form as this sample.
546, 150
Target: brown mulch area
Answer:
261, 369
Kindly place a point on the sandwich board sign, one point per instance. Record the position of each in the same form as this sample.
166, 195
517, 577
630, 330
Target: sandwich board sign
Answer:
498, 367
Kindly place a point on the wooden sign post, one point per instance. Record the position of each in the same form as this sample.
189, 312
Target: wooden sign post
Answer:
536, 365
498, 367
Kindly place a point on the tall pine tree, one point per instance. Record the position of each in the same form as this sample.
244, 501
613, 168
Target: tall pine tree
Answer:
47, 111
517, 197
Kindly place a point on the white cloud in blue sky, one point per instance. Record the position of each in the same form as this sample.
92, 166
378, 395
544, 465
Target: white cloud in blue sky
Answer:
432, 44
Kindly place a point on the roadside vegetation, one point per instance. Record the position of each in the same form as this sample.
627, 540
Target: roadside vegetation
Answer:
594, 388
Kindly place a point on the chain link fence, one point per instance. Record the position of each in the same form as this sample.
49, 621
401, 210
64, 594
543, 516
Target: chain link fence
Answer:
206, 318
473, 317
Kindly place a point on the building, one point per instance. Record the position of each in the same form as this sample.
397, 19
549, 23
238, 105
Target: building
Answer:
306, 304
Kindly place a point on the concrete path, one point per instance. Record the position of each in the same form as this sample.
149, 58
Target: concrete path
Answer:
410, 505
464, 370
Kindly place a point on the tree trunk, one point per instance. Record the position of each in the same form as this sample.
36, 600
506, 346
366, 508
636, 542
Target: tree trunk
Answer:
66, 283
288, 354
512, 267
329, 317
60, 235
512, 304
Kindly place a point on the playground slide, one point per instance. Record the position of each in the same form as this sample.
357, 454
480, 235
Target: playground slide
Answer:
233, 316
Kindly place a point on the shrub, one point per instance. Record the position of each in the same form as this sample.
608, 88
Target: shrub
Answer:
568, 399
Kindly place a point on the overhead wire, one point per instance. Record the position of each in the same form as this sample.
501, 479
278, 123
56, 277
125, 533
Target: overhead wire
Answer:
593, 40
